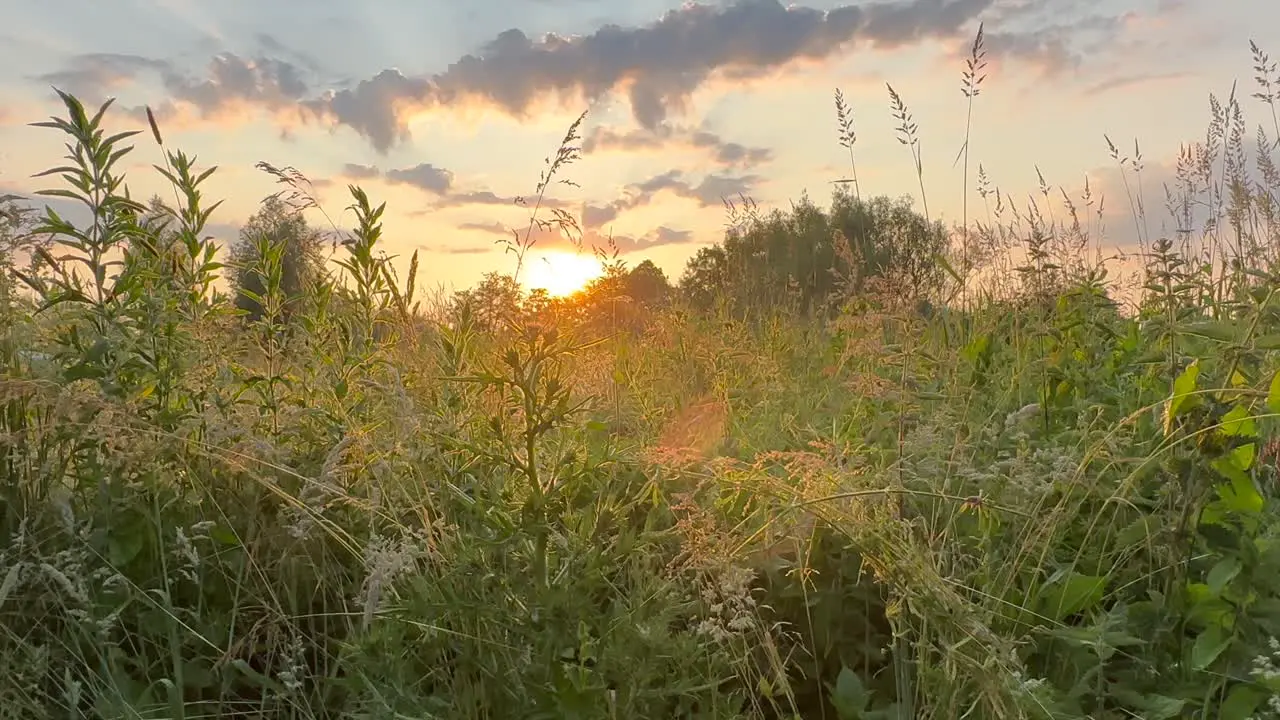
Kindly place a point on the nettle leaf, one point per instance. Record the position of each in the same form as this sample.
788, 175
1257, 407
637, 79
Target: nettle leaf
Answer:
849, 696
1138, 531
1181, 399
1273, 394
1209, 645
1213, 330
1223, 573
125, 545
1071, 593
1241, 493
1244, 456
1160, 707
1240, 703
1238, 422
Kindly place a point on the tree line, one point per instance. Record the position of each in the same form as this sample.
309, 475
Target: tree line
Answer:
804, 258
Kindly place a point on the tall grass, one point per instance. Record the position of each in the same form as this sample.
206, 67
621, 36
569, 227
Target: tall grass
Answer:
1035, 503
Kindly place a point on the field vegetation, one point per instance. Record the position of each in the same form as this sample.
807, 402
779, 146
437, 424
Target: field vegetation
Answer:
853, 464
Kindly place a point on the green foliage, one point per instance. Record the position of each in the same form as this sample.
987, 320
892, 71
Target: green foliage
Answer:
811, 260
1033, 505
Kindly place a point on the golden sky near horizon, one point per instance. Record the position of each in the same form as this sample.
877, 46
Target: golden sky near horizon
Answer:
446, 111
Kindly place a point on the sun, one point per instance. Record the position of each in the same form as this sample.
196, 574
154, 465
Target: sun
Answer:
561, 273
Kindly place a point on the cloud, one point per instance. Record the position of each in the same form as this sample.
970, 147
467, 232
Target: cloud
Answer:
452, 250
666, 236
425, 176
269, 43
594, 216
360, 172
1046, 50
658, 66
233, 81
230, 83
1121, 82
591, 239
492, 228
729, 154
1034, 33
627, 244
435, 181
712, 190
92, 74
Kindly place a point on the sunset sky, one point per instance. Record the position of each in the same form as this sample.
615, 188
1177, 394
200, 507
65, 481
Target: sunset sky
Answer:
446, 110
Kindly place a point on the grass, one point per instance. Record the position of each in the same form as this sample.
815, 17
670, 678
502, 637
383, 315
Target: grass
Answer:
1033, 501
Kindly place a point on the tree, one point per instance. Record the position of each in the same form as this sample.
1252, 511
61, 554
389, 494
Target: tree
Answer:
807, 258
18, 245
495, 299
301, 257
647, 285
892, 242
706, 276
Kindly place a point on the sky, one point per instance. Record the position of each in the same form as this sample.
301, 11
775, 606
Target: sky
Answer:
447, 111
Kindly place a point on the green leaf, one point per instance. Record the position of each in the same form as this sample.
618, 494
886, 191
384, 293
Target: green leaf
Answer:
1212, 329
1240, 494
257, 678
224, 535
946, 266
1209, 645
197, 675
1070, 594
1181, 399
1273, 394
1243, 456
895, 711
124, 546
1223, 573
849, 696
1160, 707
10, 582
1136, 532
1238, 422
1240, 703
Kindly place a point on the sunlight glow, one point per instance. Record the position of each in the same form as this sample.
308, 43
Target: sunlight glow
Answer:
561, 273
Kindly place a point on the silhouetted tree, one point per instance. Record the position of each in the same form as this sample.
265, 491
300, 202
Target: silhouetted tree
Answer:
302, 261
706, 276
496, 298
18, 245
647, 285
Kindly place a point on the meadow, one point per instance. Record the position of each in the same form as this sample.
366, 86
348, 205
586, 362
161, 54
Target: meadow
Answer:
853, 465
